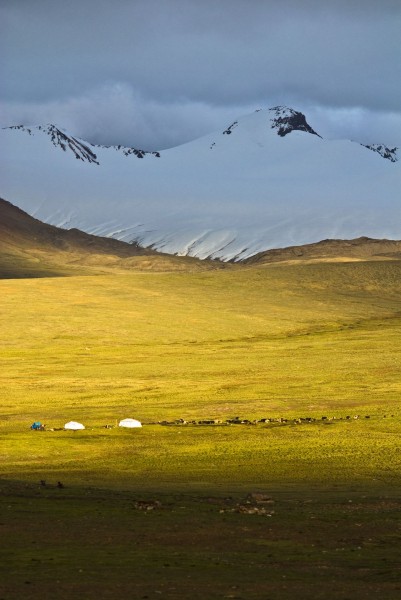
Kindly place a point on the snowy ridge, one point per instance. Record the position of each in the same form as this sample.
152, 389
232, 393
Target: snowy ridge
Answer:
135, 151
60, 139
267, 180
79, 148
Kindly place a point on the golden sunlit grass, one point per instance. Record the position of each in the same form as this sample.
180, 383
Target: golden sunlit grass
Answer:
279, 341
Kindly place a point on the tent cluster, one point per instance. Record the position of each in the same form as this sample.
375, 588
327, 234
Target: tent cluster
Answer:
75, 426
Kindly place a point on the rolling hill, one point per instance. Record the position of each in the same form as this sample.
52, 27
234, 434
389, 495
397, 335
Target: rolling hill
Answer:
30, 248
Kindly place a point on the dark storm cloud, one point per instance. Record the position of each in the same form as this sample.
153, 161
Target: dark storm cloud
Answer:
184, 66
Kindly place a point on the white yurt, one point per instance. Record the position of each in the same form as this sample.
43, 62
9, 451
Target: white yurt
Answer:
74, 426
130, 423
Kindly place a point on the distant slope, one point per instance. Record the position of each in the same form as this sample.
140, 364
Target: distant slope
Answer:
267, 180
359, 249
30, 248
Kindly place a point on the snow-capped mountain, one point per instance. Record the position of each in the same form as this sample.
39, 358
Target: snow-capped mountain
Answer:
265, 181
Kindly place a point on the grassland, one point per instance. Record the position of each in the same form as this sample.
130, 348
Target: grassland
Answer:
263, 341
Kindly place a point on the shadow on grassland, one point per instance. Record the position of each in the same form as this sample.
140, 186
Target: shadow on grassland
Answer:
60, 541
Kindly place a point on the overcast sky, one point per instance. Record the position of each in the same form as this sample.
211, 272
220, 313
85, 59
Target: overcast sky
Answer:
157, 73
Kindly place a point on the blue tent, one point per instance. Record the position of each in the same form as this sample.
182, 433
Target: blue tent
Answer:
36, 425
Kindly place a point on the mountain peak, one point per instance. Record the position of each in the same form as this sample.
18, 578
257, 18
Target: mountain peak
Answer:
284, 120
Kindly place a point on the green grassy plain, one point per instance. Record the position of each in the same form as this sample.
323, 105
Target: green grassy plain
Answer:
320, 339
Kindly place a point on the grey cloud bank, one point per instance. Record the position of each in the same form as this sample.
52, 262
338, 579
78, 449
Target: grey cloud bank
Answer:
157, 73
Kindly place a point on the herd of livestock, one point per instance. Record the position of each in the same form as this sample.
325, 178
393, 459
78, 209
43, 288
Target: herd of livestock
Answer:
134, 423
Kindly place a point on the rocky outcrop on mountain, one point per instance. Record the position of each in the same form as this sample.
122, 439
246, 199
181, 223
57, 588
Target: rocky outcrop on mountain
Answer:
389, 153
229, 129
138, 153
286, 120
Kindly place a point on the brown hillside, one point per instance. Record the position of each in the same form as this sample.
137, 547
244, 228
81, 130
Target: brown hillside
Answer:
359, 249
30, 248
